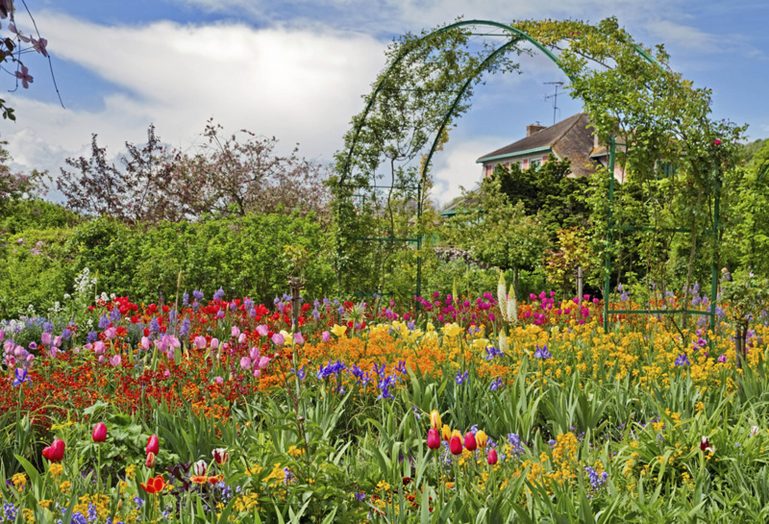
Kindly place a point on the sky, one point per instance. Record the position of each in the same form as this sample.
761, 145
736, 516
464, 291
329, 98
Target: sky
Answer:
297, 70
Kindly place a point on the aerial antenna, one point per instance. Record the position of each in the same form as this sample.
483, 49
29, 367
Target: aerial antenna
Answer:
554, 96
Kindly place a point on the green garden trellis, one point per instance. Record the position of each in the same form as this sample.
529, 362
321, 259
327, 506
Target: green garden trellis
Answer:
516, 36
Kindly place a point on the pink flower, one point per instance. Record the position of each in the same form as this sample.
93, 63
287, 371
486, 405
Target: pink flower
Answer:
115, 360
492, 457
110, 333
717, 142
278, 339
298, 339
214, 343
45, 339
433, 438
455, 445
218, 380
40, 46
99, 433
145, 343
325, 336
200, 342
242, 338
235, 332
470, 442
262, 330
245, 363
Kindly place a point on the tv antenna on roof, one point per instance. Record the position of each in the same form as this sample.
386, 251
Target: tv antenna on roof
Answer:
554, 96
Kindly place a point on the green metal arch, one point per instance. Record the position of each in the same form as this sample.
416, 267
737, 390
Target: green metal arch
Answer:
516, 35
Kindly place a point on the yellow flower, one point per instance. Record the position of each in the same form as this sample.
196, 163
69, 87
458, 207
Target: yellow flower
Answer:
55, 470
19, 481
65, 486
452, 330
481, 438
435, 419
383, 485
446, 432
130, 471
338, 330
28, 514
295, 451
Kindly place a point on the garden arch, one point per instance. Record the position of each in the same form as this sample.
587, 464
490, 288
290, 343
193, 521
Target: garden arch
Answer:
516, 35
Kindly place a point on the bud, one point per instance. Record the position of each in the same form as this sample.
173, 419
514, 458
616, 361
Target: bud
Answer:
455, 445
220, 455
200, 468
99, 433
491, 457
503, 345
502, 296
150, 462
470, 442
433, 438
446, 432
481, 438
153, 445
435, 419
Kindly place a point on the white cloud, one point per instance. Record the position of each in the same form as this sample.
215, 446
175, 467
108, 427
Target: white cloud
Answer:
456, 169
300, 85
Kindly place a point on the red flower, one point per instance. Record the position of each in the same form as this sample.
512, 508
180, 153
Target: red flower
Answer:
492, 457
54, 452
433, 438
154, 484
153, 445
470, 442
99, 432
455, 445
150, 461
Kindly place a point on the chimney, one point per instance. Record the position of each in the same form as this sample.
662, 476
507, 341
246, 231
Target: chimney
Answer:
533, 128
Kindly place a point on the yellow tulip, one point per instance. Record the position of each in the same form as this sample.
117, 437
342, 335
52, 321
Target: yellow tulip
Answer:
435, 419
481, 438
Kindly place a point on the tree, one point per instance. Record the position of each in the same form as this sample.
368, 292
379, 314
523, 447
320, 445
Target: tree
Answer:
497, 231
152, 182
16, 185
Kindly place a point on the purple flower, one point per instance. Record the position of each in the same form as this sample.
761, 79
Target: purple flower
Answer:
384, 386
401, 367
542, 353
493, 352
219, 294
596, 480
103, 322
21, 377
722, 358
495, 384
515, 442
360, 496
682, 360
461, 378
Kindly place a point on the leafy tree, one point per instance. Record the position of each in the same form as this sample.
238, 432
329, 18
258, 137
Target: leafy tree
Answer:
497, 231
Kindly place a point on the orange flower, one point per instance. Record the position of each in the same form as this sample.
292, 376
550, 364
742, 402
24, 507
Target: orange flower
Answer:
154, 484
199, 479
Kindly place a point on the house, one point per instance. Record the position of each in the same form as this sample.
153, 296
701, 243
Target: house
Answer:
570, 139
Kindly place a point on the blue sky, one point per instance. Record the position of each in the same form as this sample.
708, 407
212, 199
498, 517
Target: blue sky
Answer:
296, 70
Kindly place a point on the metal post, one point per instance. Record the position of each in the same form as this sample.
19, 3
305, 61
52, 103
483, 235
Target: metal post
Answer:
714, 261
419, 238
607, 254
579, 282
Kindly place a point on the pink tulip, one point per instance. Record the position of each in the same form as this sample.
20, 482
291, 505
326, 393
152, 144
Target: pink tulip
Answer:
115, 360
455, 445
150, 461
220, 455
262, 330
298, 339
492, 458
214, 343
45, 339
200, 342
145, 343
235, 332
325, 336
470, 442
433, 438
99, 433
153, 445
278, 339
245, 363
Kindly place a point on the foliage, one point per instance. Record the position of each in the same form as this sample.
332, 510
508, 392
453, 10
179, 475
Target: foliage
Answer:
248, 253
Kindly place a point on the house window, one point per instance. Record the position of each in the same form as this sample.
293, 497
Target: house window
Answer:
535, 162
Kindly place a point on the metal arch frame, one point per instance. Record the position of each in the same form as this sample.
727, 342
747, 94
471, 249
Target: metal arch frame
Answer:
518, 35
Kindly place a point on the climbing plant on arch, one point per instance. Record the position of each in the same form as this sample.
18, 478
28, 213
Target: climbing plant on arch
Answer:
657, 124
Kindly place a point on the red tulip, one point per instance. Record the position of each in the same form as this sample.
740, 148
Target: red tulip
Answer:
492, 458
470, 442
153, 445
433, 438
455, 445
99, 432
55, 452
150, 462
154, 484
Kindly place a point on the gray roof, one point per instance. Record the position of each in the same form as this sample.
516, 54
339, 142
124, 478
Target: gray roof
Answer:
570, 139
